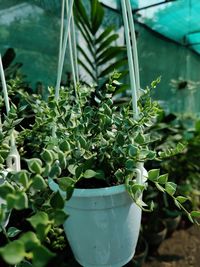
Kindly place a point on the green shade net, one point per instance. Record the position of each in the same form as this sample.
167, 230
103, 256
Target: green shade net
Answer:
177, 20
33, 32
168, 44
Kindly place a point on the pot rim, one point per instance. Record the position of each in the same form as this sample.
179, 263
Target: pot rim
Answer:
90, 192
104, 191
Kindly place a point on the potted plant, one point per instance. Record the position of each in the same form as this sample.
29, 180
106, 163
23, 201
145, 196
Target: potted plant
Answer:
99, 148
30, 213
104, 148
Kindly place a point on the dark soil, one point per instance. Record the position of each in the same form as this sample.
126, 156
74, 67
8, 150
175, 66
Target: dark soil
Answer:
182, 249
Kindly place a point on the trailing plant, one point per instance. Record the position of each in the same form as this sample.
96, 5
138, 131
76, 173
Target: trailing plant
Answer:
29, 210
40, 212
101, 55
97, 144
187, 177
183, 168
103, 144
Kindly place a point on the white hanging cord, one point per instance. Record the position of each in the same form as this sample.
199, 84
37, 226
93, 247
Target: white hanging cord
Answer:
66, 34
134, 46
71, 50
61, 35
4, 86
13, 159
130, 61
75, 48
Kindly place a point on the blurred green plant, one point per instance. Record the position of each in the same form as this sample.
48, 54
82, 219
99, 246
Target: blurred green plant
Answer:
101, 55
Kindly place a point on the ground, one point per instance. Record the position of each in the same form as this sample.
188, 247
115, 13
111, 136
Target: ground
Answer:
182, 249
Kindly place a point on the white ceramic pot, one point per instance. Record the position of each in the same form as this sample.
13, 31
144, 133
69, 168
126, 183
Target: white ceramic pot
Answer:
103, 226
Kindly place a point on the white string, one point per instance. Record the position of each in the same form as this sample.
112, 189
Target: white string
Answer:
71, 51
134, 45
13, 159
4, 86
66, 34
130, 60
75, 48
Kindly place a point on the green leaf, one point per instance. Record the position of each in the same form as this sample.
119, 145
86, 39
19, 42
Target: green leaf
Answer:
153, 175
97, 14
23, 178
190, 218
85, 55
107, 109
40, 217
30, 240
83, 142
47, 155
62, 159
160, 188
88, 38
116, 65
59, 216
42, 231
120, 139
180, 147
130, 165
56, 201
65, 183
65, 146
137, 188
87, 69
19, 201
17, 121
107, 42
4, 153
72, 168
177, 204
181, 199
35, 165
55, 171
104, 34
80, 12
119, 174
38, 182
41, 256
13, 231
139, 139
170, 188
69, 192
100, 174
89, 174
151, 155
132, 151
109, 54
6, 189
162, 179
195, 214
78, 172
197, 126
13, 252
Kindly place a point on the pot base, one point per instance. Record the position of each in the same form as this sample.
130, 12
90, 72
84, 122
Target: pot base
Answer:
119, 264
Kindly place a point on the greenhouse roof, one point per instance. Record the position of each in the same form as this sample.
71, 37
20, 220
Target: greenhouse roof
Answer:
175, 19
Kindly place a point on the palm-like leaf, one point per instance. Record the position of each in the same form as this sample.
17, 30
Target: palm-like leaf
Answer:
100, 56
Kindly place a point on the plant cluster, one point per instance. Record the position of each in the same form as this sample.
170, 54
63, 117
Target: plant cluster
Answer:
83, 140
101, 144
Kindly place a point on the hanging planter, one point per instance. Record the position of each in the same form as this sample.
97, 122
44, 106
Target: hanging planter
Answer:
111, 222
104, 146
